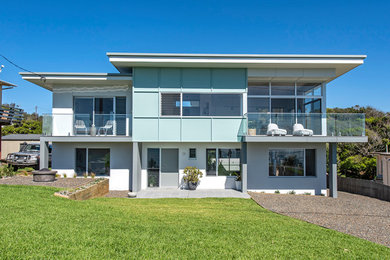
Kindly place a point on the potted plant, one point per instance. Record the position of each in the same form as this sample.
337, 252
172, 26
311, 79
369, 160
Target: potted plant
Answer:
252, 127
192, 175
238, 180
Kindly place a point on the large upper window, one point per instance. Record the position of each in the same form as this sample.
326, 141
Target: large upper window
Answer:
106, 114
200, 104
292, 162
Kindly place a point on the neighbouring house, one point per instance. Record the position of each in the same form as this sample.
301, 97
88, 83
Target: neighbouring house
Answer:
263, 116
383, 167
13, 142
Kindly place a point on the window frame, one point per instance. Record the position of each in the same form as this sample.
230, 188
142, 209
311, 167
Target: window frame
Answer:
295, 96
240, 94
304, 163
189, 154
216, 161
86, 160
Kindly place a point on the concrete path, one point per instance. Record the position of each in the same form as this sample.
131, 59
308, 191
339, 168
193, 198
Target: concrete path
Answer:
177, 193
357, 215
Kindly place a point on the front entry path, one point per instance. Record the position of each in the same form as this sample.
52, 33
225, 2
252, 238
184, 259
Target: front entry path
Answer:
160, 193
357, 215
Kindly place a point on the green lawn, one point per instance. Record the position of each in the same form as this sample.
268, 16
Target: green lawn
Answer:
34, 223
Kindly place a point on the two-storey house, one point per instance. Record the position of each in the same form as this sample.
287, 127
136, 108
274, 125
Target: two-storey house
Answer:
261, 116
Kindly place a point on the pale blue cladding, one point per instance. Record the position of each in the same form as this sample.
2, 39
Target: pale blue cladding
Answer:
149, 125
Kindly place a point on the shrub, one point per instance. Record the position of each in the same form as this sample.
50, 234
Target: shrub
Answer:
192, 174
57, 175
85, 175
64, 175
291, 192
6, 171
238, 176
306, 193
277, 192
93, 175
74, 175
358, 166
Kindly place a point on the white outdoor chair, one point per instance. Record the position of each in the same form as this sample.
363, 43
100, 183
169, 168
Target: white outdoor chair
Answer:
80, 125
109, 125
299, 130
273, 129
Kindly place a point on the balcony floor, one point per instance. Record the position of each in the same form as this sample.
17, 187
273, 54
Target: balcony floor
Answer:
86, 139
305, 139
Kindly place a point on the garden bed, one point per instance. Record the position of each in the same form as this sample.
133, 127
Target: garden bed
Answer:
94, 189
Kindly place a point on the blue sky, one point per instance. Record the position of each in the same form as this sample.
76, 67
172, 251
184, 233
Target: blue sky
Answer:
73, 36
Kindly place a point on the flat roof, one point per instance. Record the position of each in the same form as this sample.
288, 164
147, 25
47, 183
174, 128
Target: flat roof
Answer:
340, 63
48, 79
6, 84
21, 137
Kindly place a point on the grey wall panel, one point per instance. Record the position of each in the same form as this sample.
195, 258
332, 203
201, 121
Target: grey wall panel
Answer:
229, 78
196, 78
146, 77
258, 164
170, 78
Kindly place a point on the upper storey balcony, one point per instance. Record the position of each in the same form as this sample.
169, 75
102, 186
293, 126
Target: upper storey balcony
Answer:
329, 127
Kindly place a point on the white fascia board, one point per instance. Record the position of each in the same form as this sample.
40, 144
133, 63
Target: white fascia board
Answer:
52, 78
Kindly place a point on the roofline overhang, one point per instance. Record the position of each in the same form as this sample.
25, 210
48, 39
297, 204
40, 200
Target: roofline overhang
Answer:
340, 63
6, 85
48, 79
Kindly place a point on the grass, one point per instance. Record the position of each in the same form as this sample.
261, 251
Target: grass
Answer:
35, 224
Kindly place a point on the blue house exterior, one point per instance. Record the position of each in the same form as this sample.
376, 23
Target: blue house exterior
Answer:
261, 116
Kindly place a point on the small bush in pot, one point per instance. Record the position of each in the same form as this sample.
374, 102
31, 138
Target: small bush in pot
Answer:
192, 176
238, 180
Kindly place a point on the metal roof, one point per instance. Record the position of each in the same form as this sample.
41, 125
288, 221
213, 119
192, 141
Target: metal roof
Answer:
21, 137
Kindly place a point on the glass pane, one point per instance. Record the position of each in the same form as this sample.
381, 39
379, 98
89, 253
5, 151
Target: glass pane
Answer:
153, 158
282, 105
225, 105
170, 104
308, 89
170, 160
192, 154
196, 104
81, 161
104, 105
120, 117
258, 105
99, 161
83, 115
278, 88
310, 162
228, 161
153, 178
120, 105
258, 88
211, 157
309, 105
287, 162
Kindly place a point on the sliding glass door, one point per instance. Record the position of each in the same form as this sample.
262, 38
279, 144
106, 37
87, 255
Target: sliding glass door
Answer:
106, 114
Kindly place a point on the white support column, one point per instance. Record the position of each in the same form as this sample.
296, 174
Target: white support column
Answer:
323, 110
333, 170
244, 169
136, 168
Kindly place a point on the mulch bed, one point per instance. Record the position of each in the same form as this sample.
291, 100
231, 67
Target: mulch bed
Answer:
357, 215
58, 183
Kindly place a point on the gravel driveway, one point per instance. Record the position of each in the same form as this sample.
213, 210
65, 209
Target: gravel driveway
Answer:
58, 183
357, 215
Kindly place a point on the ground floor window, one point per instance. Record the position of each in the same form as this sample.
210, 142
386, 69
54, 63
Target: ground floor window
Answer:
292, 162
93, 160
225, 162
